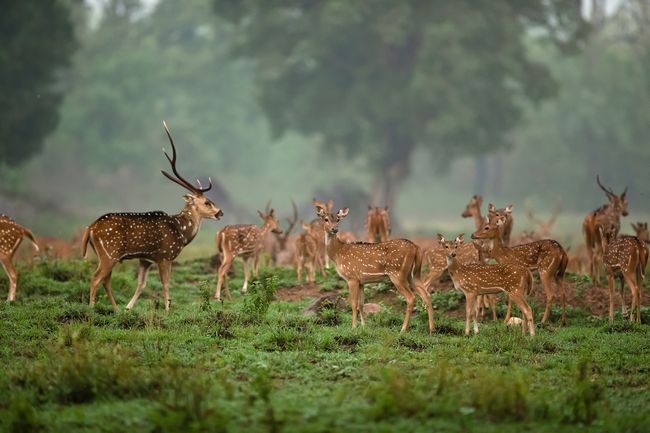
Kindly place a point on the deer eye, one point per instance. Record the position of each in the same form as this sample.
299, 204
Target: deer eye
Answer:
327, 220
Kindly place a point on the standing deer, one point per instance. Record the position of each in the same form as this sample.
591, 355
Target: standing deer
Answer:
151, 237
377, 224
606, 216
545, 227
245, 241
473, 210
306, 252
319, 234
359, 263
278, 246
547, 257
11, 236
475, 279
627, 257
506, 228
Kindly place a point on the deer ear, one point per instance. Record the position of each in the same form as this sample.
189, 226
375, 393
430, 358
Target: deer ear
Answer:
260, 214
369, 207
272, 212
460, 238
440, 237
509, 208
320, 211
386, 208
342, 213
635, 227
491, 208
189, 198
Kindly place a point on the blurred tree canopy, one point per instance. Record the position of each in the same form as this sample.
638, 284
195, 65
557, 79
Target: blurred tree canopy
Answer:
36, 41
381, 77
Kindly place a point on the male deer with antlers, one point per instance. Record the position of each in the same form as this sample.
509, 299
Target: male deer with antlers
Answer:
11, 236
377, 224
245, 241
151, 237
547, 257
608, 217
475, 279
359, 263
627, 257
545, 227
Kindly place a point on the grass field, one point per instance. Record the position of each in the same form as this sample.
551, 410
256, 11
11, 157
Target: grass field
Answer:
254, 365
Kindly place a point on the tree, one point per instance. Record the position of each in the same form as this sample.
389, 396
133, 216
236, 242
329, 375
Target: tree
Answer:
381, 77
36, 41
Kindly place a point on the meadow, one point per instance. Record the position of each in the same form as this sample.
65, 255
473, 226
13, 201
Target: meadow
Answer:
258, 364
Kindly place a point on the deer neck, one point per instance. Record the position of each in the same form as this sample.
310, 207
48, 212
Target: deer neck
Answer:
265, 229
189, 223
478, 219
333, 245
498, 249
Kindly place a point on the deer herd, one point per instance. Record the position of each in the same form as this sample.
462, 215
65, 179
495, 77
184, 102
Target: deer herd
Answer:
493, 262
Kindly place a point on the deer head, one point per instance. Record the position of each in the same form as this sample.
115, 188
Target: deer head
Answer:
618, 203
330, 221
270, 221
641, 230
473, 207
490, 230
493, 212
195, 200
450, 247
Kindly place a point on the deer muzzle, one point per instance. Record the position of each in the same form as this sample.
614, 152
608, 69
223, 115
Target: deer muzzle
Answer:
218, 215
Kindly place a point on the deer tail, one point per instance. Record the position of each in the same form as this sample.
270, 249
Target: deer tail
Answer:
564, 262
220, 237
84, 243
417, 265
29, 235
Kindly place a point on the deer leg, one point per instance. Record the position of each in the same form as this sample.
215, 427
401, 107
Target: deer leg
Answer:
469, 304
610, 287
299, 268
403, 289
256, 263
360, 304
353, 288
508, 311
143, 272
424, 295
562, 289
106, 282
104, 268
311, 274
244, 288
527, 312
630, 280
548, 291
222, 275
165, 270
493, 306
621, 293
13, 278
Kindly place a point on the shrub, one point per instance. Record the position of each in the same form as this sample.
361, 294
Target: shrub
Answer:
500, 396
257, 301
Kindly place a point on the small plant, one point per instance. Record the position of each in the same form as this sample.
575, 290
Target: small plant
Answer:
584, 396
257, 301
500, 396
394, 395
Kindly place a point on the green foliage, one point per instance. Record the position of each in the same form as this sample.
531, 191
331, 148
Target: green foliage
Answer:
586, 393
257, 301
37, 40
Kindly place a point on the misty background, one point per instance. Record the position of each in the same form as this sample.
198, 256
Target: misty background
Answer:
413, 104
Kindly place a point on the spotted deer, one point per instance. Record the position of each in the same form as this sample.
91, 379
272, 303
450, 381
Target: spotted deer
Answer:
306, 253
150, 237
319, 234
245, 241
359, 263
506, 229
627, 258
11, 236
475, 279
377, 224
606, 216
473, 210
547, 257
278, 246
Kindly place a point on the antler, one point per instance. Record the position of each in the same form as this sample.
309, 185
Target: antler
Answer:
609, 192
179, 179
292, 221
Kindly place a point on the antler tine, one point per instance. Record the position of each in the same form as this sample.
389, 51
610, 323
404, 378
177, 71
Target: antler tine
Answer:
609, 192
172, 161
292, 221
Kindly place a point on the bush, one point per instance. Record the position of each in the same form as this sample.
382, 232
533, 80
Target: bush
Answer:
500, 396
257, 301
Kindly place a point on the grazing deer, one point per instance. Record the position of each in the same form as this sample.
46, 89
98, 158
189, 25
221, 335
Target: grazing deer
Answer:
547, 257
627, 257
151, 237
545, 227
606, 216
377, 224
475, 279
11, 236
359, 263
506, 228
306, 253
245, 241
641, 230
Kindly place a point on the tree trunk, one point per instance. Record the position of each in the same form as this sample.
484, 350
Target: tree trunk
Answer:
393, 169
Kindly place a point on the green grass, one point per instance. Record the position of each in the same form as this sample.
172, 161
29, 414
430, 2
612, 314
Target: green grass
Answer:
259, 366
